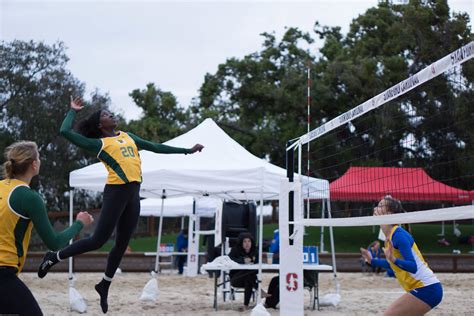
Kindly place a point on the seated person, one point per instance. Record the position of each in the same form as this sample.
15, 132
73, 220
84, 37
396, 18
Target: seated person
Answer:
275, 247
376, 252
244, 252
181, 246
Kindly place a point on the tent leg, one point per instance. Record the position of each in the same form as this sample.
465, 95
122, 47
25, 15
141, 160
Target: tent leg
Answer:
160, 226
333, 253
71, 215
321, 243
442, 229
260, 241
472, 251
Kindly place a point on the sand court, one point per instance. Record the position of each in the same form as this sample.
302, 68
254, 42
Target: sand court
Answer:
361, 294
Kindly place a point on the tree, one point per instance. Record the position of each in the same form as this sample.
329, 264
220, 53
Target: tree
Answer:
162, 118
35, 88
388, 44
261, 98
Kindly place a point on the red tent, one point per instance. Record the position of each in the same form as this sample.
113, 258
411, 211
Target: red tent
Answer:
408, 184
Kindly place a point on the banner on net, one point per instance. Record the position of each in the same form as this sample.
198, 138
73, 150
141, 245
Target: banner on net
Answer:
449, 61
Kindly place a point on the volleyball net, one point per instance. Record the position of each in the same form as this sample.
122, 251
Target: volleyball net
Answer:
413, 141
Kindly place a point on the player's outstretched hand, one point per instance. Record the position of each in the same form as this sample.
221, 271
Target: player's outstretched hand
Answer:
76, 104
197, 147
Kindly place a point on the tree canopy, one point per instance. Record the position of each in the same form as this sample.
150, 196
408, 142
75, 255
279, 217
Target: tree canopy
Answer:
162, 117
35, 88
261, 99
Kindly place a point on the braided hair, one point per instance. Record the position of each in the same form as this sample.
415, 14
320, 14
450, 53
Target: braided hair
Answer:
89, 127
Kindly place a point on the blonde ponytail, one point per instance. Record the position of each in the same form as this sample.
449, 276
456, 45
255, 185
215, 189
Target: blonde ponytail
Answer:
18, 158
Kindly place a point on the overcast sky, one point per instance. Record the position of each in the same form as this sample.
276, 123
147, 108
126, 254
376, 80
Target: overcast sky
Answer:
118, 46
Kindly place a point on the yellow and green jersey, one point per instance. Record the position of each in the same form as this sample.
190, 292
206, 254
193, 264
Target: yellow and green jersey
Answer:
118, 153
121, 158
15, 228
20, 209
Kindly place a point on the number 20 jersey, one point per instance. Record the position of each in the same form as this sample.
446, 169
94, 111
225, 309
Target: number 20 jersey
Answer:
121, 158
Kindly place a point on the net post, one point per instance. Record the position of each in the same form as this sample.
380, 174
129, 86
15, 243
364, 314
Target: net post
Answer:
290, 164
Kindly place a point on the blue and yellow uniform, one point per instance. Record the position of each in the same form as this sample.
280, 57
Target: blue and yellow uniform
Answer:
20, 209
411, 270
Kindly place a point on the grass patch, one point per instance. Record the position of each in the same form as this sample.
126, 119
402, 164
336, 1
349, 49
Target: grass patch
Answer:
346, 239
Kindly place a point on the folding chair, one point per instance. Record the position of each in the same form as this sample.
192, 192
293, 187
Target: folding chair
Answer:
235, 289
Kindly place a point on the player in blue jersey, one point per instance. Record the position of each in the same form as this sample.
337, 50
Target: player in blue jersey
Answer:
424, 291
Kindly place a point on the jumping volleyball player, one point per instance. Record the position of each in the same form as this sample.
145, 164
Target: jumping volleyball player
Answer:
20, 209
118, 151
424, 291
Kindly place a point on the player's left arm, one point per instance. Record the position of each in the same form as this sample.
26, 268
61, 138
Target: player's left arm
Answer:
404, 244
33, 206
161, 148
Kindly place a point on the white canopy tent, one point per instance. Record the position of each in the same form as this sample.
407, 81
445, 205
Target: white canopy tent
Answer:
223, 169
177, 207
183, 206
180, 207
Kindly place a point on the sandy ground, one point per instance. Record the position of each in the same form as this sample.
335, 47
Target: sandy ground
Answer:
361, 294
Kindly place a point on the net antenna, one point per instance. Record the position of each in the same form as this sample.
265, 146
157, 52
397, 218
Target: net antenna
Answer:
450, 66
308, 168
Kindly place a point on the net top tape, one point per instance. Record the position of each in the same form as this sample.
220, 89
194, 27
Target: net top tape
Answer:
444, 214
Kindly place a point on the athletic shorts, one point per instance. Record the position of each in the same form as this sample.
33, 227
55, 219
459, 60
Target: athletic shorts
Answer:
430, 294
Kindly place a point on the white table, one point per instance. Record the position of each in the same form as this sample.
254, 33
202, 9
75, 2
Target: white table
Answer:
266, 268
169, 253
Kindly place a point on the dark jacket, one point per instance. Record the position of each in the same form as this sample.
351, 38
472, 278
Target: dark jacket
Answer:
238, 254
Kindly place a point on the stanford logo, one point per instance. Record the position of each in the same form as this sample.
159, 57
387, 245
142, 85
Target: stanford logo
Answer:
433, 70
291, 282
